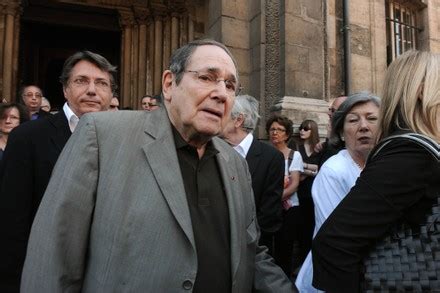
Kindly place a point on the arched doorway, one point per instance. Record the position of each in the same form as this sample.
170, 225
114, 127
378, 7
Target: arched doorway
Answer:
51, 33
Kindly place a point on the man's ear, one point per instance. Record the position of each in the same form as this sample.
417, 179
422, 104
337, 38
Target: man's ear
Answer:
239, 120
64, 92
167, 84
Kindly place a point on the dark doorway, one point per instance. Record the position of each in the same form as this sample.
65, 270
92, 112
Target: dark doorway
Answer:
47, 39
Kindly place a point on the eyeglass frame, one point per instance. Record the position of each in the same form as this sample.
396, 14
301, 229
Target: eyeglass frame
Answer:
199, 73
30, 95
96, 81
272, 130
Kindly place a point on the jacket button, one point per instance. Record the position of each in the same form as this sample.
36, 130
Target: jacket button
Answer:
187, 285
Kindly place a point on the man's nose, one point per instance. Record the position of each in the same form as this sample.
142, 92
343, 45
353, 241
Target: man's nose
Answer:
221, 92
91, 88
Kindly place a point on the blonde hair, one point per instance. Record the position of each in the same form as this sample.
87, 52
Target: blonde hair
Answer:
411, 95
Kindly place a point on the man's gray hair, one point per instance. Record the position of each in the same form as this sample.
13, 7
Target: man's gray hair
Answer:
180, 58
247, 106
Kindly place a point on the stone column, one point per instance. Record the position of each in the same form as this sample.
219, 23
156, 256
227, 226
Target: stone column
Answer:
174, 31
158, 38
166, 41
302, 62
10, 43
127, 22
142, 19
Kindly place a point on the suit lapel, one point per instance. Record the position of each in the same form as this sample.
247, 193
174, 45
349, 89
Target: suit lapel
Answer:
61, 130
229, 177
161, 154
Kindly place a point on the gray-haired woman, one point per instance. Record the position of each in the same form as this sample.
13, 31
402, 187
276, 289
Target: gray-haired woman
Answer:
355, 124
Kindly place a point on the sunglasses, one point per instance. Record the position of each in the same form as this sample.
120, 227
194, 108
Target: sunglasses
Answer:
305, 128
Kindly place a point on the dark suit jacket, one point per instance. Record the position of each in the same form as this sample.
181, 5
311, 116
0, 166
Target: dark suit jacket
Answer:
31, 153
266, 165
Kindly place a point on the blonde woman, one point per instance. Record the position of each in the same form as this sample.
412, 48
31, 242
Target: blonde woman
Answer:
400, 183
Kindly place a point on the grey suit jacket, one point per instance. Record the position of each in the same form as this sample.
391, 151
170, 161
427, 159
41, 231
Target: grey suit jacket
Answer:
115, 217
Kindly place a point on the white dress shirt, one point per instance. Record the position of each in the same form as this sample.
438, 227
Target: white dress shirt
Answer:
71, 117
333, 182
243, 147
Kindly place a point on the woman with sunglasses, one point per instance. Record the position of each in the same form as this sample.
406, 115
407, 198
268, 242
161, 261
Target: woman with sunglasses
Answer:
309, 138
279, 129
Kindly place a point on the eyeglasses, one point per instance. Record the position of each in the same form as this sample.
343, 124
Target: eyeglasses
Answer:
272, 130
210, 80
30, 95
151, 104
101, 84
305, 128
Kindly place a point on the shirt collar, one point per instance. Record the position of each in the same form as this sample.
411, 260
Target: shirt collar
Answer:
243, 147
180, 143
72, 119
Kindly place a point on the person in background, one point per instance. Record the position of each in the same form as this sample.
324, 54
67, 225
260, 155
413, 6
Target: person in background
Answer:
356, 122
279, 129
32, 96
309, 138
326, 149
45, 105
266, 165
149, 103
32, 151
400, 182
114, 104
155, 201
11, 115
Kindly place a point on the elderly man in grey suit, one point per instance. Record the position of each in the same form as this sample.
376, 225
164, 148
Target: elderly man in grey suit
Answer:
153, 201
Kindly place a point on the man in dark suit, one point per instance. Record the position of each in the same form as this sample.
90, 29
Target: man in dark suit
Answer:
266, 165
32, 151
32, 97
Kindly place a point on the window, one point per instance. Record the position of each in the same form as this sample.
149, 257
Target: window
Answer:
402, 30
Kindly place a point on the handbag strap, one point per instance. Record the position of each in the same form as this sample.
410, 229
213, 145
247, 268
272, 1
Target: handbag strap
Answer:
426, 142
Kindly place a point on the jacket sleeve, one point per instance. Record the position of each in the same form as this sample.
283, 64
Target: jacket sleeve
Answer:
16, 190
56, 253
391, 186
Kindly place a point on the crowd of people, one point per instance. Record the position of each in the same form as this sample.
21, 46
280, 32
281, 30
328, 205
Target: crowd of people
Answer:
183, 196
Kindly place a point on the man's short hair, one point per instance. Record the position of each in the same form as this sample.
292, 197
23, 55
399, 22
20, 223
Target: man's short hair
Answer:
23, 87
180, 58
96, 59
248, 107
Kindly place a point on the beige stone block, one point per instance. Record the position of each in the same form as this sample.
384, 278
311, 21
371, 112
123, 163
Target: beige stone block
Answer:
297, 58
256, 89
293, 7
257, 30
313, 9
303, 84
360, 41
235, 32
236, 9
242, 56
303, 33
360, 12
316, 61
255, 8
215, 31
257, 57
214, 12
361, 69
332, 33
245, 82
298, 109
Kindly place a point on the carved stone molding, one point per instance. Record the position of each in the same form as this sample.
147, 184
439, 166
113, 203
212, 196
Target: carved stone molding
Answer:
142, 15
272, 54
11, 8
126, 18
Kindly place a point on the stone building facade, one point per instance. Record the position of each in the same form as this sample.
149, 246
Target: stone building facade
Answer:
293, 55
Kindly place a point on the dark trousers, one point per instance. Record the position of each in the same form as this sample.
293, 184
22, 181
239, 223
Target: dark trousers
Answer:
287, 240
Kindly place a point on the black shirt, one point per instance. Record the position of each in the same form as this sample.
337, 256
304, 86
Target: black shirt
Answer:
209, 215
